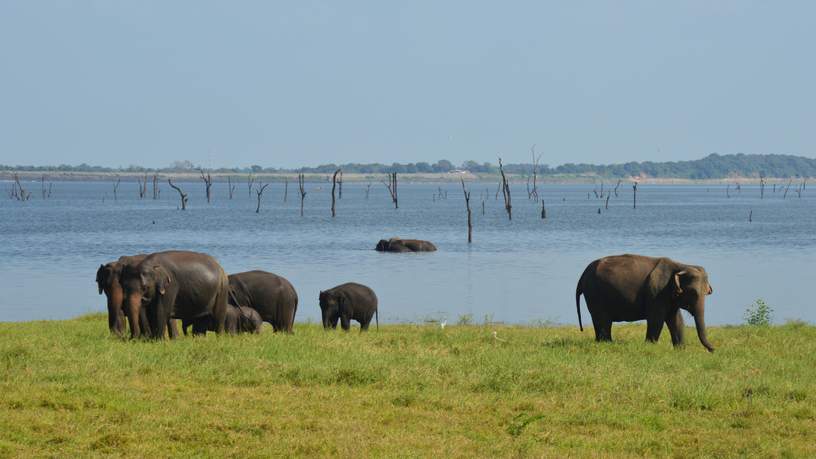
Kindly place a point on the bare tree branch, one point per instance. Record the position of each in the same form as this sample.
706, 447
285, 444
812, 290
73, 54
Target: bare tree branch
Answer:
182, 195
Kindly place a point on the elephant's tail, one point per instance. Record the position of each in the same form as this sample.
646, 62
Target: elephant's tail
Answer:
377, 317
578, 293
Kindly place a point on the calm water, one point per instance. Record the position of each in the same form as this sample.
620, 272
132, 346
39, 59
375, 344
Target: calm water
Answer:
520, 271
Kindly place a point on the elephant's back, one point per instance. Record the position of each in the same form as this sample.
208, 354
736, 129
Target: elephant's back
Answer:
359, 293
617, 278
199, 276
264, 285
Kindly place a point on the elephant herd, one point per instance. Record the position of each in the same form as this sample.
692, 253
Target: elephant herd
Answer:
153, 290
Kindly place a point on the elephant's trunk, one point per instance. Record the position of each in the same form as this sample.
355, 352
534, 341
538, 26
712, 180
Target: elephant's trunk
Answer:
699, 322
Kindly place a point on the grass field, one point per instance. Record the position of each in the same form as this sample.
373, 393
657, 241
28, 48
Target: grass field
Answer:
68, 390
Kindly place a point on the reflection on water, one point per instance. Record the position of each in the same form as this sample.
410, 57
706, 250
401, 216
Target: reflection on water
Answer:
519, 271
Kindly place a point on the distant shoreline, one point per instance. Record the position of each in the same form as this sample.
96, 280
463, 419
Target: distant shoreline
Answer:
441, 177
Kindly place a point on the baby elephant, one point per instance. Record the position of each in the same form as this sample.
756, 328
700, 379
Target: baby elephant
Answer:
240, 319
398, 245
346, 302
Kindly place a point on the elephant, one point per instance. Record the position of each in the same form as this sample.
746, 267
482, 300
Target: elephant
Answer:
108, 281
177, 284
626, 288
271, 295
239, 319
346, 302
398, 245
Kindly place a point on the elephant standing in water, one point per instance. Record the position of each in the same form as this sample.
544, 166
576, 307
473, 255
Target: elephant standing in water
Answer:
347, 302
271, 295
634, 287
108, 280
185, 285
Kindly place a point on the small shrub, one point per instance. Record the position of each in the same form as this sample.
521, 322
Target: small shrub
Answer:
465, 319
759, 314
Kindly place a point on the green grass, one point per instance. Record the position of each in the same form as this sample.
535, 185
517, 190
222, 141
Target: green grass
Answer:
67, 390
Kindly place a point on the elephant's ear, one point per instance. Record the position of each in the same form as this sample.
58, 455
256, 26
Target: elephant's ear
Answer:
162, 279
677, 289
100, 277
659, 278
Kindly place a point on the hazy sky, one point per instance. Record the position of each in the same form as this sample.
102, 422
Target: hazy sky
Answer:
301, 83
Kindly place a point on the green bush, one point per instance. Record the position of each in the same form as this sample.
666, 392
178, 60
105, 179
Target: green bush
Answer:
759, 314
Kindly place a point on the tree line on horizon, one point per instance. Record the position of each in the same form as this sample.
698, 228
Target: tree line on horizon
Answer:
713, 166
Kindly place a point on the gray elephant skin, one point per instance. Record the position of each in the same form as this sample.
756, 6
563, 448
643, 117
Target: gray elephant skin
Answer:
239, 319
271, 295
398, 245
185, 285
347, 302
627, 288
108, 278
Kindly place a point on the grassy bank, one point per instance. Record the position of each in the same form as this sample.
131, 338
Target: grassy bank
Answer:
66, 389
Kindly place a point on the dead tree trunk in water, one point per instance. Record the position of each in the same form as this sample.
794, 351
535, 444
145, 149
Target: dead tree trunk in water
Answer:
21, 194
207, 183
250, 183
750, 215
467, 206
285, 188
508, 206
260, 191
784, 196
43, 190
761, 188
302, 186
392, 188
182, 195
340, 183
634, 195
543, 210
368, 190
334, 185
536, 160
143, 186
230, 186
116, 188
606, 206
155, 186
616, 188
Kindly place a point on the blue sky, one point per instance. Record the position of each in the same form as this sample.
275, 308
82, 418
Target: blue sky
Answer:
301, 83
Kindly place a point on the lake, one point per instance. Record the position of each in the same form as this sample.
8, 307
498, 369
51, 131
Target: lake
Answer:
524, 271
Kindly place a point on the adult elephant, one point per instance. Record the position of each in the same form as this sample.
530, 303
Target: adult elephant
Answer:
398, 245
626, 288
239, 319
108, 281
271, 295
347, 302
180, 284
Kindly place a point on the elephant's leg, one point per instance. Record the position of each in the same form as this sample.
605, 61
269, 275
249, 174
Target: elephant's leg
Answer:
120, 322
603, 326
345, 322
334, 321
654, 325
675, 324
364, 325
200, 326
172, 329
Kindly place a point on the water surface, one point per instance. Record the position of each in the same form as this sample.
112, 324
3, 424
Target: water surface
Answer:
518, 271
